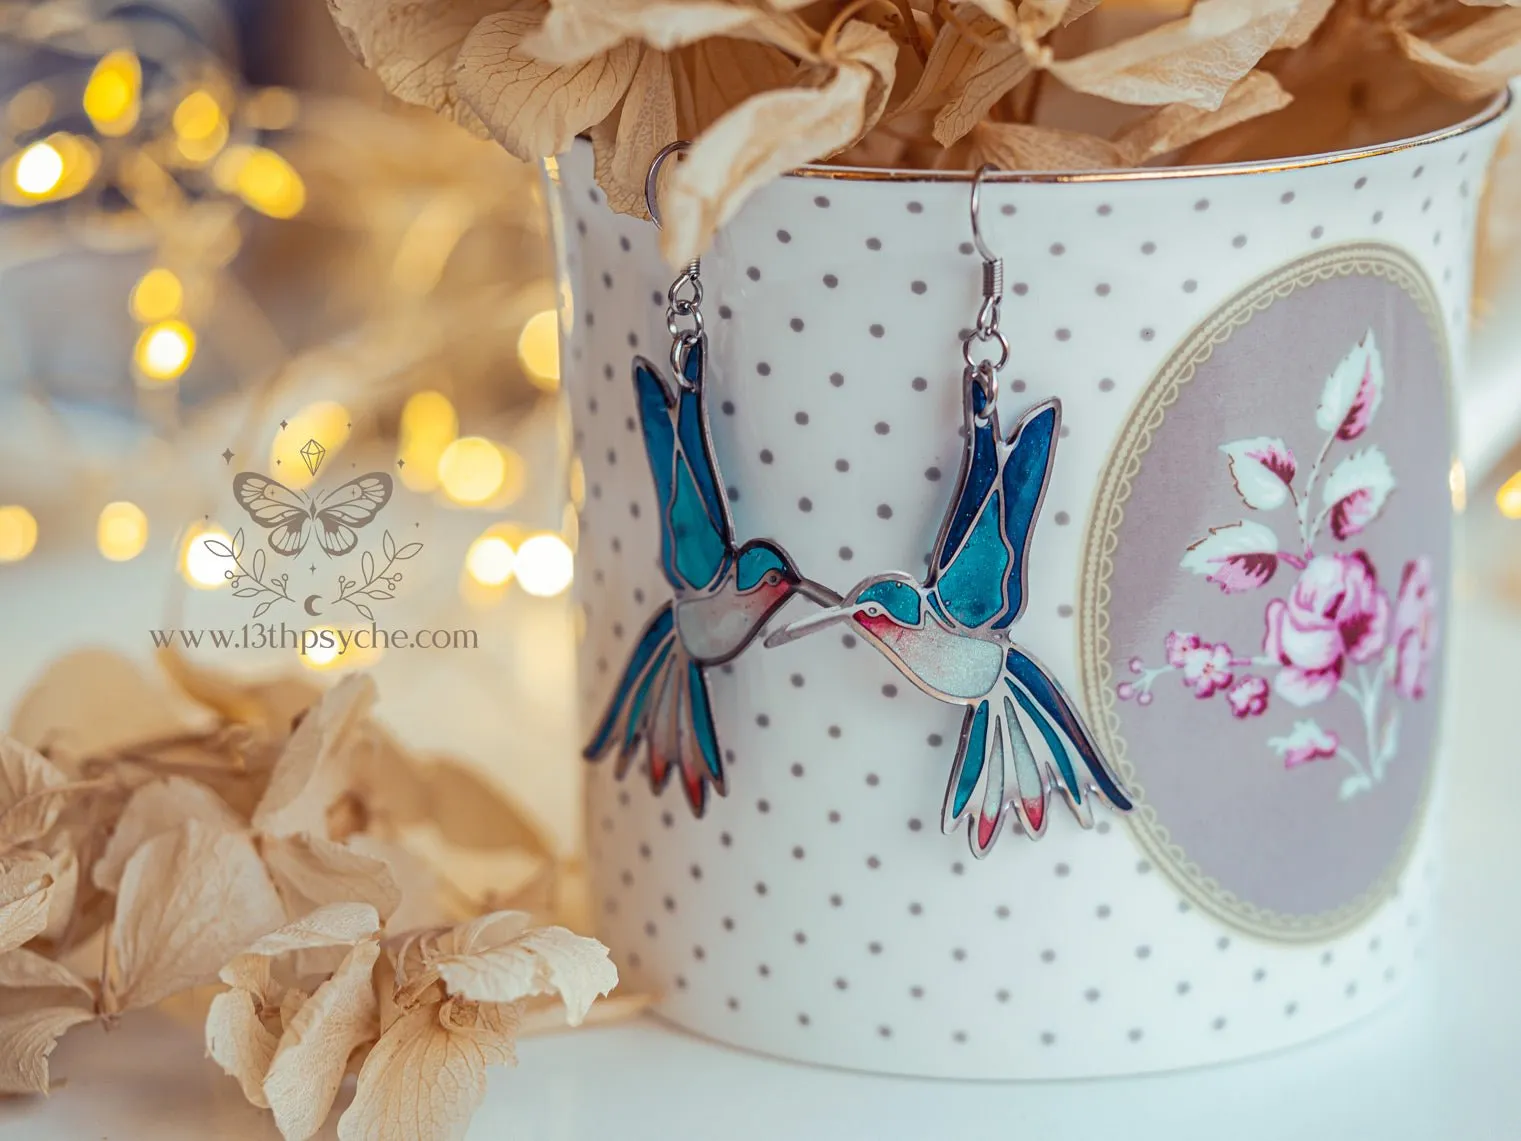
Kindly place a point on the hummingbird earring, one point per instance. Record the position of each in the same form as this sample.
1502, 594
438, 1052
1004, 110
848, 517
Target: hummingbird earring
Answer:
951, 635
721, 593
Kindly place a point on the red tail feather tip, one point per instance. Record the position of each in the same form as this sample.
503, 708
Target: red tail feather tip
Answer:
1035, 812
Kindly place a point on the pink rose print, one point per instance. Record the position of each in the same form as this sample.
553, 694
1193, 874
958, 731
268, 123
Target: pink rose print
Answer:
1207, 668
1415, 630
1249, 697
1306, 742
1336, 613
1336, 633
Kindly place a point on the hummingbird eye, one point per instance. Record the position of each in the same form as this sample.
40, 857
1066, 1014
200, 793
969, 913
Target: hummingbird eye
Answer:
873, 610
773, 577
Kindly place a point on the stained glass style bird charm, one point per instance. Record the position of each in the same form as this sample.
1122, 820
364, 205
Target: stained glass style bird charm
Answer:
722, 595
1022, 736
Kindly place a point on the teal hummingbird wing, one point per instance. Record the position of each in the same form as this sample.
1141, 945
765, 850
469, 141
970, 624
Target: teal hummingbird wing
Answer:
696, 535
978, 568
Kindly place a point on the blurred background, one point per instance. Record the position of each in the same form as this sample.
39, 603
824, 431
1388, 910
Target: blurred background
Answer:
212, 222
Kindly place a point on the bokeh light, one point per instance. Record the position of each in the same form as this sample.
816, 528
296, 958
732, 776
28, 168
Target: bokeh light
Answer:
39, 169
121, 531
201, 567
111, 97
545, 565
200, 127
490, 560
263, 179
164, 351
539, 350
322, 653
473, 470
429, 424
18, 533
1508, 498
159, 294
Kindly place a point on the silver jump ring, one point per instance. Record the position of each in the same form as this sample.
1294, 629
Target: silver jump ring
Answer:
977, 362
652, 178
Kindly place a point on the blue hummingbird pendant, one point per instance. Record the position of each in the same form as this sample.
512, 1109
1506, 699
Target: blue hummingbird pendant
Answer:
722, 594
951, 636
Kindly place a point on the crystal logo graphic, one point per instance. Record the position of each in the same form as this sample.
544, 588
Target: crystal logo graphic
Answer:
287, 522
313, 453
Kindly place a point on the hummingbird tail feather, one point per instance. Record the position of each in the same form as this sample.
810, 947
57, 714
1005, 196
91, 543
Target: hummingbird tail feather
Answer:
998, 770
1066, 738
626, 708
681, 735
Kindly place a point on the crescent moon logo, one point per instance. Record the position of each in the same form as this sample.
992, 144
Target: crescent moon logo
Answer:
307, 605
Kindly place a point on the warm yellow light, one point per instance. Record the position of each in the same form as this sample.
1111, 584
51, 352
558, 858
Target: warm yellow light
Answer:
321, 652
325, 421
197, 115
111, 97
1508, 498
200, 127
570, 527
539, 350
121, 532
428, 426
1457, 485
56, 167
263, 179
157, 295
18, 533
489, 560
545, 565
577, 483
164, 350
202, 567
39, 169
472, 470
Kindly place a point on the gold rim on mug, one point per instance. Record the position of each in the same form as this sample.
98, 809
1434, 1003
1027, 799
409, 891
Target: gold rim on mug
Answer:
1495, 109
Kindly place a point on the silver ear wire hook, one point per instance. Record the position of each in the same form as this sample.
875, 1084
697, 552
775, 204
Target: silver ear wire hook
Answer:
985, 370
679, 305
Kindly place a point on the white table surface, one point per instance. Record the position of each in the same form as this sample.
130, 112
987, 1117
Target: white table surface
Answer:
1444, 1062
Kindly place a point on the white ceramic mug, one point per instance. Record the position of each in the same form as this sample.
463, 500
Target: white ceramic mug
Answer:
1239, 571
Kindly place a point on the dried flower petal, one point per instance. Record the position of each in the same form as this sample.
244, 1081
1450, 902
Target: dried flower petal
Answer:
124, 707
1194, 60
1169, 128
157, 807
27, 1039
425, 1078
271, 705
549, 1017
239, 1042
644, 124
577, 30
28, 970
493, 959
318, 762
412, 46
534, 108
336, 925
29, 796
310, 872
308, 1067
971, 66
1019, 146
770, 133
26, 886
188, 900
1472, 62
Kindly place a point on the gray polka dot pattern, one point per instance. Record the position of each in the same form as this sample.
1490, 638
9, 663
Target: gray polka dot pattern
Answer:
1056, 959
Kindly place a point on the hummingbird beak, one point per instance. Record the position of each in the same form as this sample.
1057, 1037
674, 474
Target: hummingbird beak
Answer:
805, 626
817, 592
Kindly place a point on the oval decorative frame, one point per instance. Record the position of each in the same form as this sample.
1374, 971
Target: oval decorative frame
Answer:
1095, 592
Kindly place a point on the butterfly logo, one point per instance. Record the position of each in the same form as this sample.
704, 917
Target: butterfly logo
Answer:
292, 516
